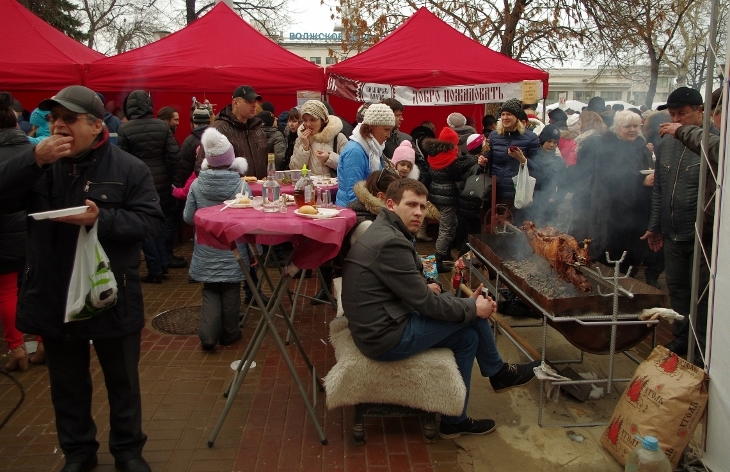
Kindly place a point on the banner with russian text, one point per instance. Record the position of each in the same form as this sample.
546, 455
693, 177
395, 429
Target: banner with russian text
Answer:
431, 96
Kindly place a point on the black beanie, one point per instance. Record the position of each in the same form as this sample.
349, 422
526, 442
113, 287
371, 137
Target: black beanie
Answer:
549, 132
267, 117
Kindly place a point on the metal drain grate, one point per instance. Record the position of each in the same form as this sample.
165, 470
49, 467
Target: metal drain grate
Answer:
183, 320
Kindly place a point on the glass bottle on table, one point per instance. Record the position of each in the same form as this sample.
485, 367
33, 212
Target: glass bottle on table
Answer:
270, 189
304, 193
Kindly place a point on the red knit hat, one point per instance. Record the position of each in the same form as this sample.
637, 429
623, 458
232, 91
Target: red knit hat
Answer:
444, 150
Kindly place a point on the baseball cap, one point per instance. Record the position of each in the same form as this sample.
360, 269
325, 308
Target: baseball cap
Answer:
681, 97
76, 98
246, 92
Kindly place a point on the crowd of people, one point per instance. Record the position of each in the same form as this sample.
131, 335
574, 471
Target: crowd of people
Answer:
627, 179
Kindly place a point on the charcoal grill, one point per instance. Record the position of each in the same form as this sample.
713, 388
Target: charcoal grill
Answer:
511, 254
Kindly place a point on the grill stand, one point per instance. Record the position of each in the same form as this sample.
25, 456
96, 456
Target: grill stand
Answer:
612, 320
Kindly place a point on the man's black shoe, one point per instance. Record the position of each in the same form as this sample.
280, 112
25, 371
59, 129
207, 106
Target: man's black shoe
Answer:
152, 279
677, 346
177, 263
133, 465
320, 298
513, 375
81, 466
468, 426
228, 342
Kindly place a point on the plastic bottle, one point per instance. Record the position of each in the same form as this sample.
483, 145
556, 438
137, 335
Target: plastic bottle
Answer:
647, 457
270, 188
304, 193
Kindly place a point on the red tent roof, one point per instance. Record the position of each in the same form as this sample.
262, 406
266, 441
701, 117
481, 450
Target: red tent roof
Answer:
426, 52
216, 53
36, 56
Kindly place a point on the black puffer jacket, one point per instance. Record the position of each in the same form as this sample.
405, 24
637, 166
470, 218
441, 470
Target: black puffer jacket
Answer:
129, 213
12, 227
396, 137
447, 167
188, 155
151, 141
676, 178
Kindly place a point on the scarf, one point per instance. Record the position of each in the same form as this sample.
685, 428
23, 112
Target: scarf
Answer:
12, 136
372, 148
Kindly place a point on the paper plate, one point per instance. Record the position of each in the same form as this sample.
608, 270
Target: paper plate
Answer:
238, 205
59, 213
321, 213
647, 171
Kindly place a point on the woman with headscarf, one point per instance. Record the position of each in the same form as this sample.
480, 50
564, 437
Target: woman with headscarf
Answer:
511, 146
363, 154
621, 194
319, 142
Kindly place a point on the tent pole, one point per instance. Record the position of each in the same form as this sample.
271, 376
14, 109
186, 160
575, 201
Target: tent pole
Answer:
699, 250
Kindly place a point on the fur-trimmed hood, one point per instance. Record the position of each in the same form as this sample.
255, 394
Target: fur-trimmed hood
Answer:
371, 202
328, 134
568, 134
443, 151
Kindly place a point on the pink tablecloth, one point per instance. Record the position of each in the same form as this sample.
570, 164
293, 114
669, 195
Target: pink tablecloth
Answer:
315, 240
288, 189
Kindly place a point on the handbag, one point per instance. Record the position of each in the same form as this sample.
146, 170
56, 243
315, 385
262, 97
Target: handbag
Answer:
524, 187
476, 187
93, 288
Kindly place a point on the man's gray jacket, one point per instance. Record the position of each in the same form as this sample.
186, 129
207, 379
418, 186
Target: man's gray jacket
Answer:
382, 284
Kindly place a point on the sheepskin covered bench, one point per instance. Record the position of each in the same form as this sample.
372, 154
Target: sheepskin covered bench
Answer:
424, 385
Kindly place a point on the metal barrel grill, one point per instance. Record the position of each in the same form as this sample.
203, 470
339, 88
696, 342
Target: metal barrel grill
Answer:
511, 254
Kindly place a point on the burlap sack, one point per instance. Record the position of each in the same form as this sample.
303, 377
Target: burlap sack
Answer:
666, 399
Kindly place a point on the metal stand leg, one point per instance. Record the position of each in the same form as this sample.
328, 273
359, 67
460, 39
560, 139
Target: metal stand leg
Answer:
256, 344
298, 294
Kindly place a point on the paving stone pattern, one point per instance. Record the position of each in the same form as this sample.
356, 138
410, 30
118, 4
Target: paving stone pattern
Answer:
267, 428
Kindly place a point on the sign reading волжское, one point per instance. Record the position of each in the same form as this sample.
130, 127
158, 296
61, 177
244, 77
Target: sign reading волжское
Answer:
451, 95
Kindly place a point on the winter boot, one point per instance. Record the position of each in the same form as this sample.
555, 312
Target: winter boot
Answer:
442, 266
18, 359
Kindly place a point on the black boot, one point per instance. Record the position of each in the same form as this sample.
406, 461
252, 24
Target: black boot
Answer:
152, 279
442, 266
321, 296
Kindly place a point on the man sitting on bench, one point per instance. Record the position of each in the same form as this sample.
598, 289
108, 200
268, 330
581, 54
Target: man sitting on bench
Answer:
394, 314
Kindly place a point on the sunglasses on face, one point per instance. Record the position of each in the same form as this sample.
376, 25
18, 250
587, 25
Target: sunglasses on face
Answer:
68, 118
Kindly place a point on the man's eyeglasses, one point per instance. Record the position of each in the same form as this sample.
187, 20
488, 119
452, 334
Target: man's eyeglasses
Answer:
68, 118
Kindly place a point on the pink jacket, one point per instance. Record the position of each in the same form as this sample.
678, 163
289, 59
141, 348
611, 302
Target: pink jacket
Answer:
182, 193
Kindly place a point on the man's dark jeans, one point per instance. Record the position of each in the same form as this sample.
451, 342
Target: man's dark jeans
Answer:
467, 340
678, 268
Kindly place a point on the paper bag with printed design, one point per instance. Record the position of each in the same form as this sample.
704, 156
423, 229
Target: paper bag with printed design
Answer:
666, 398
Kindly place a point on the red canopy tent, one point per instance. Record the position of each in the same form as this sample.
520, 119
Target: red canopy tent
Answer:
38, 60
208, 59
427, 53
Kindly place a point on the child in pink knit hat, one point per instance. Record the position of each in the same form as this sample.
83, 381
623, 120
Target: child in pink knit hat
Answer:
404, 160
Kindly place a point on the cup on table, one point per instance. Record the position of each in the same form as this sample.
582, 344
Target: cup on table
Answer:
326, 198
295, 175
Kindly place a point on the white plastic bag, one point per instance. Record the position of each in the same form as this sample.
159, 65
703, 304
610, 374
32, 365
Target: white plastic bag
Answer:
524, 187
93, 288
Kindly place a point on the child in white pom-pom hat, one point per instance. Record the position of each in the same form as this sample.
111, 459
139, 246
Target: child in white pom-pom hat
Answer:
219, 180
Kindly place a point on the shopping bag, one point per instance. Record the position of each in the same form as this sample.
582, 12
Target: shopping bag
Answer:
93, 288
665, 398
524, 187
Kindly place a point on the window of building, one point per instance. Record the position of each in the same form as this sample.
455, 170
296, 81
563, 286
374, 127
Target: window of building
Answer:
553, 96
316, 60
583, 95
639, 97
329, 60
612, 95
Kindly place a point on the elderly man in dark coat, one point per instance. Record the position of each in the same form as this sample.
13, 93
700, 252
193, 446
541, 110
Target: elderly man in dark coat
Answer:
77, 165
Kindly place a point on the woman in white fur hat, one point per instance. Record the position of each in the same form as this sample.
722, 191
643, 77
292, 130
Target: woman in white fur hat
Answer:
320, 140
219, 180
364, 153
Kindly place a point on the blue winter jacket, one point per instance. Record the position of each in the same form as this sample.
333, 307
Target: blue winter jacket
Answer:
504, 166
353, 167
211, 188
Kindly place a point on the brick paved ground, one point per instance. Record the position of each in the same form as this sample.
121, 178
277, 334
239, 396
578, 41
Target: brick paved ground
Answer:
266, 430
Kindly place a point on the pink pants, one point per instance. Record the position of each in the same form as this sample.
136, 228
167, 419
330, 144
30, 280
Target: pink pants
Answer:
8, 303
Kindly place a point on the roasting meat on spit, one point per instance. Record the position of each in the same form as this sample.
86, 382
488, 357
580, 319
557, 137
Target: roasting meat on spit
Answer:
562, 251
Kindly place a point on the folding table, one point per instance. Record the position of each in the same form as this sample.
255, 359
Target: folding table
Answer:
315, 241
